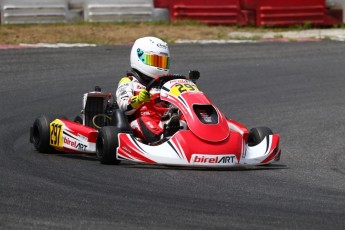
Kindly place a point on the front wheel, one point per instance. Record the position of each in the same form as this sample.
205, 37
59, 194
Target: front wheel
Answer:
106, 145
256, 135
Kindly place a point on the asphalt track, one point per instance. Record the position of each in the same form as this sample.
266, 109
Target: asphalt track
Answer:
297, 89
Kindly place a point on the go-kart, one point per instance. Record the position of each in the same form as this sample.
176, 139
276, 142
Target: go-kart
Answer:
209, 139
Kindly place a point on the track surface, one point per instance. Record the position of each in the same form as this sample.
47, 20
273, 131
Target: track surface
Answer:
297, 89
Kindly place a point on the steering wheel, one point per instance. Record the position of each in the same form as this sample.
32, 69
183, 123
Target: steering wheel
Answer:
160, 81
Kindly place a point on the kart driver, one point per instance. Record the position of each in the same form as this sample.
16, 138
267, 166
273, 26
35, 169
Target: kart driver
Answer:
150, 116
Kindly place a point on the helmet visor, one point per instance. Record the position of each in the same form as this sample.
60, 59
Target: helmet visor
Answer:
154, 60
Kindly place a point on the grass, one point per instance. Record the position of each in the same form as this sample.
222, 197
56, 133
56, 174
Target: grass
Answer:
123, 32
102, 33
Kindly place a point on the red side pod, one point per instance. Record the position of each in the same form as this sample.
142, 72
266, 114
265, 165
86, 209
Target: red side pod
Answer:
81, 130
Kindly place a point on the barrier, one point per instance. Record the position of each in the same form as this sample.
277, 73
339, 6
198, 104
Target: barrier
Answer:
35, 11
290, 12
118, 10
228, 12
161, 3
210, 12
337, 7
76, 4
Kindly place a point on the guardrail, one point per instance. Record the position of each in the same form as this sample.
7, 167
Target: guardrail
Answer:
118, 10
35, 11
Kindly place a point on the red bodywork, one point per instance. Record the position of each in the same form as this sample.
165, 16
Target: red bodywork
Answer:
210, 139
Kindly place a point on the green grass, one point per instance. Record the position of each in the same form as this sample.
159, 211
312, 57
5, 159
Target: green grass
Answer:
109, 33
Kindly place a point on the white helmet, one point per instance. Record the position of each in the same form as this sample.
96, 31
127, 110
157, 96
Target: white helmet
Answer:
150, 56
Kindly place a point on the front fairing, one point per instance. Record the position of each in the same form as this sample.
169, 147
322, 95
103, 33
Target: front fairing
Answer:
184, 148
203, 118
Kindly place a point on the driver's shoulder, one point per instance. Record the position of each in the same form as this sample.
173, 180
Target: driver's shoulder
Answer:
125, 80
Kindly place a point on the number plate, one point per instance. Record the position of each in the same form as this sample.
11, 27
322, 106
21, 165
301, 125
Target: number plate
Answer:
180, 88
56, 133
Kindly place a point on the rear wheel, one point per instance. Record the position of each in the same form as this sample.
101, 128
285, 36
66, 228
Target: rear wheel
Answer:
40, 134
78, 120
106, 145
256, 135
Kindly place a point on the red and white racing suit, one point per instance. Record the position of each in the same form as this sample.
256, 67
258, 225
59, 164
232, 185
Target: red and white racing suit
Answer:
147, 122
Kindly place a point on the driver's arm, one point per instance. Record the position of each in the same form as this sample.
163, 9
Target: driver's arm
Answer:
126, 99
124, 93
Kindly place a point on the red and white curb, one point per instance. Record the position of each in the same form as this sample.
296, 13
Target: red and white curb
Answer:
286, 36
5, 47
45, 45
312, 35
58, 45
181, 41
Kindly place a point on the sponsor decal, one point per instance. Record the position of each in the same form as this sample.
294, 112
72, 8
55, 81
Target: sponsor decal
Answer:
149, 124
161, 45
126, 149
173, 82
145, 113
82, 137
74, 144
206, 117
202, 159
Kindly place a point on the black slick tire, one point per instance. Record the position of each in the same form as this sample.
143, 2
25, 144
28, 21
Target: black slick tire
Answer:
106, 145
40, 134
78, 120
256, 135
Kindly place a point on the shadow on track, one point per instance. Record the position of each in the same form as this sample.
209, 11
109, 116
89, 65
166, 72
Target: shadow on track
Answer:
85, 157
128, 164
233, 168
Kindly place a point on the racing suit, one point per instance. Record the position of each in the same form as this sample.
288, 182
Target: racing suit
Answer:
146, 119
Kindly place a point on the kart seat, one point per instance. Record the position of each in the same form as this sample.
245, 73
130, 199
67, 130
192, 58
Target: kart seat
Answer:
120, 120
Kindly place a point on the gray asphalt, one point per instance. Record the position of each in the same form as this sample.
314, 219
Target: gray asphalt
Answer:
297, 89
